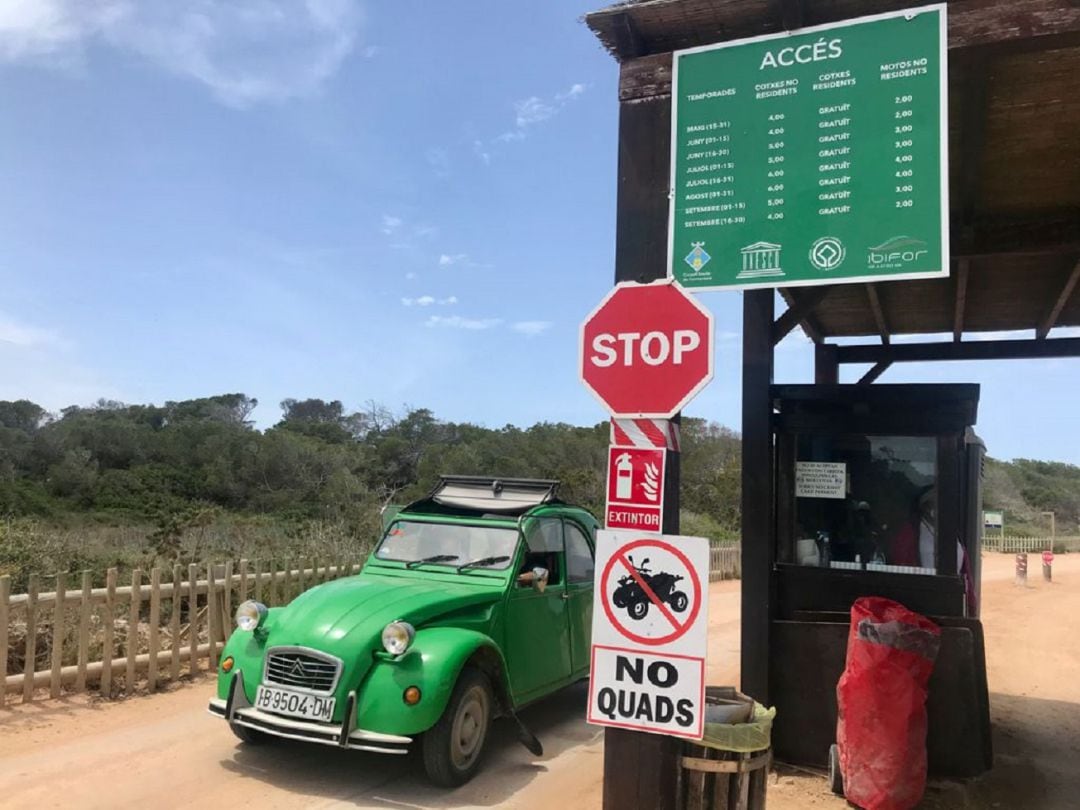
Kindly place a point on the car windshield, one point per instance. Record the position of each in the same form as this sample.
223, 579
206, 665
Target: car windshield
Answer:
452, 543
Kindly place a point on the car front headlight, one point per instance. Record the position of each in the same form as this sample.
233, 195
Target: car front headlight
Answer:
397, 637
250, 615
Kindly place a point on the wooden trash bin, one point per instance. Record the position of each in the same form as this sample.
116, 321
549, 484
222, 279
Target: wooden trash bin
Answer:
714, 777
723, 780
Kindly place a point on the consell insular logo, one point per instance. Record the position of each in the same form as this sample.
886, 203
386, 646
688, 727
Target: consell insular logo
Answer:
895, 253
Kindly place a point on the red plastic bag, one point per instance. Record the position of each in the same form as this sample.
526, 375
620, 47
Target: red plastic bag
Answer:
881, 731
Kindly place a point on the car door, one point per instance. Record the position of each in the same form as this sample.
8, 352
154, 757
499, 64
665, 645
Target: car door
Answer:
537, 628
579, 588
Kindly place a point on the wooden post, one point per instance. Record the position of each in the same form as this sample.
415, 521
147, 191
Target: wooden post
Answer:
133, 631
1021, 570
226, 604
286, 584
85, 609
109, 626
271, 585
211, 612
174, 621
258, 580
1047, 575
243, 581
5, 594
58, 635
641, 770
31, 638
193, 617
155, 621
758, 539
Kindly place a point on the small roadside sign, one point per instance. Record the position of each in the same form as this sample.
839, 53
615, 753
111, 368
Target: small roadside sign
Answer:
1048, 557
649, 635
635, 488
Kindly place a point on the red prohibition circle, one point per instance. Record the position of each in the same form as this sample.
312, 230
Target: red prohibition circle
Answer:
679, 632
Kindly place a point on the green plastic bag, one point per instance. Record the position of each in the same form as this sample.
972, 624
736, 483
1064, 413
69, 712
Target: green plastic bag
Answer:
743, 738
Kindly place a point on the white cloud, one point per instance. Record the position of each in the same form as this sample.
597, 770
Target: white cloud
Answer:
425, 230
439, 160
448, 260
371, 51
532, 328
244, 51
532, 110
391, 225
410, 276
26, 337
429, 300
528, 112
459, 322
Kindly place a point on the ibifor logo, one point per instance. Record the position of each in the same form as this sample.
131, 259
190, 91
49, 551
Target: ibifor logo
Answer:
827, 253
895, 253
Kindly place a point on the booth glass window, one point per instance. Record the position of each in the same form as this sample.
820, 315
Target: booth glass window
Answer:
865, 501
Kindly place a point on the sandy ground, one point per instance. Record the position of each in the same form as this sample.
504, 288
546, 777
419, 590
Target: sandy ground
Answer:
164, 751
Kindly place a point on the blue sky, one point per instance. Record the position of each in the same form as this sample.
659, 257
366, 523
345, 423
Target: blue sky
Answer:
407, 202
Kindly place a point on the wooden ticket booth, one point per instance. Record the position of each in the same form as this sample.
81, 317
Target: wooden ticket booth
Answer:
1013, 82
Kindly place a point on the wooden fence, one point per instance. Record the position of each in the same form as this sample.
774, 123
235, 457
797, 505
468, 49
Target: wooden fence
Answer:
75, 638
725, 562
1028, 545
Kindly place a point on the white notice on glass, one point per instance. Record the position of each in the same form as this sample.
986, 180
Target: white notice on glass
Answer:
820, 479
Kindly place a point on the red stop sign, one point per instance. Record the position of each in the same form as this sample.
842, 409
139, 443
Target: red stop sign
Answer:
646, 350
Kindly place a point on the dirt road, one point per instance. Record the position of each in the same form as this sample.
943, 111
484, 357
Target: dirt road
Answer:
164, 751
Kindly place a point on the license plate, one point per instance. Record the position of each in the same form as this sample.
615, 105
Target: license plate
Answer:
294, 704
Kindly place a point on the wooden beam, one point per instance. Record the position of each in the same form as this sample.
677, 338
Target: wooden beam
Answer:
798, 311
969, 350
807, 322
826, 366
973, 115
758, 529
876, 371
961, 298
1063, 298
1001, 26
792, 14
630, 41
879, 312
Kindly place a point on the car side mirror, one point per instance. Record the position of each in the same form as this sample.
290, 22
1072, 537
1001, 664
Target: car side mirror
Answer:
540, 579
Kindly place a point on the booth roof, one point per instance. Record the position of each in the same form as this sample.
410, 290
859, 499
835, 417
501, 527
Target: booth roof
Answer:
1014, 153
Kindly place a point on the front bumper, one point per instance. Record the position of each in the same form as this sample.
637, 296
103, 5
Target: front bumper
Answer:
238, 710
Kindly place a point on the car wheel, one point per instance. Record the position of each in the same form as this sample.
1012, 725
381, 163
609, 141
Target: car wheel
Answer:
637, 610
679, 601
249, 736
836, 778
454, 746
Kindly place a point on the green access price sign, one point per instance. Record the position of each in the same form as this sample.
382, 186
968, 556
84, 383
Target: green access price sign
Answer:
818, 157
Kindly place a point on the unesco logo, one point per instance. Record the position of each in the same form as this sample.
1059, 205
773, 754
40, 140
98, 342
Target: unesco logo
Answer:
827, 253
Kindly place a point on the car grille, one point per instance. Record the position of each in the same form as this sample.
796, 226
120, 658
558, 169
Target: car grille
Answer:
302, 669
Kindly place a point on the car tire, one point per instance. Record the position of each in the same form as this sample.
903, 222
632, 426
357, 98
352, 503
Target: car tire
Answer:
836, 777
249, 736
454, 747
679, 601
638, 610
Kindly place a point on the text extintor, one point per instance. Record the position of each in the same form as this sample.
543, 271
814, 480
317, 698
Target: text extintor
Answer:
650, 620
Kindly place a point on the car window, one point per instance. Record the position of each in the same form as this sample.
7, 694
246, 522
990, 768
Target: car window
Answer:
413, 540
544, 535
579, 556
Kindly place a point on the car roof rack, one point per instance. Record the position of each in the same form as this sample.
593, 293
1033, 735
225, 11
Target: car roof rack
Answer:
482, 495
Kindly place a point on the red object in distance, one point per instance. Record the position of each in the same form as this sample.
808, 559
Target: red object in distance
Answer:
646, 350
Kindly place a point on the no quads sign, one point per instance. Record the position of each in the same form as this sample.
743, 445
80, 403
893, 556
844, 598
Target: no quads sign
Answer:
649, 635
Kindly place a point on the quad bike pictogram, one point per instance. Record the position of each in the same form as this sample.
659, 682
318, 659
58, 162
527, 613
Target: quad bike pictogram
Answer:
630, 595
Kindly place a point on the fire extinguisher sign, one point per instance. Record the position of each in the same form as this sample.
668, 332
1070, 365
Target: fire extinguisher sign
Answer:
635, 488
649, 633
